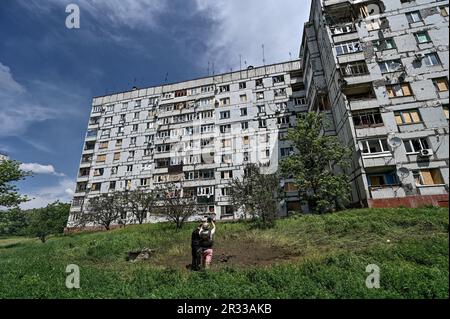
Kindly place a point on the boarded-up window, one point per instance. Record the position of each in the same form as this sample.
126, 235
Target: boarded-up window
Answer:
101, 158
446, 112
441, 84
407, 117
116, 156
103, 145
399, 90
428, 177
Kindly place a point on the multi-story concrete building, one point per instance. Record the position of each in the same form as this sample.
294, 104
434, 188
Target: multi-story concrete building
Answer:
3, 157
379, 70
199, 134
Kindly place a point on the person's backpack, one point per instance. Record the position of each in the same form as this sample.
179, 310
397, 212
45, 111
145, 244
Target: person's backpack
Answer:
205, 236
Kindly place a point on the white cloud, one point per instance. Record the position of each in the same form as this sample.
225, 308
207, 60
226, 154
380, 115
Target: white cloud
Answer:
63, 192
242, 27
130, 13
18, 107
40, 169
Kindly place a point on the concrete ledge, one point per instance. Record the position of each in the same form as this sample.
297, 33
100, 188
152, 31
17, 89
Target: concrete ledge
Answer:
410, 201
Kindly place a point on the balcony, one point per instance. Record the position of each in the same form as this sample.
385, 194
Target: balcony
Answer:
386, 191
431, 189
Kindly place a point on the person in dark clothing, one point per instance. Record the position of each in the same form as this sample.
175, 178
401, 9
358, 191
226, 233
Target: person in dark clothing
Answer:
206, 234
196, 250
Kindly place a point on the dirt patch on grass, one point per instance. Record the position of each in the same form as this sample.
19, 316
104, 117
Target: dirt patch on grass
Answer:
232, 253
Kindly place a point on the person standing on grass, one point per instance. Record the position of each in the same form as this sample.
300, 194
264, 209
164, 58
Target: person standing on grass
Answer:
196, 250
206, 233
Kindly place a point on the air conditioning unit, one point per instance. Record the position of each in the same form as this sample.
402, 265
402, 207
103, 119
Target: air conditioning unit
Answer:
426, 152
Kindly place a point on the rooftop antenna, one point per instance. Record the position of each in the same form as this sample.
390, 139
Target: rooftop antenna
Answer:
290, 56
208, 67
165, 79
240, 62
264, 55
213, 71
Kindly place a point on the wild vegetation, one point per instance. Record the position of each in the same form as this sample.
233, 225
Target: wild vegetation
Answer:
305, 256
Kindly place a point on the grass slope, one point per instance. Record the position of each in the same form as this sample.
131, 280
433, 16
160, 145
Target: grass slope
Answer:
329, 255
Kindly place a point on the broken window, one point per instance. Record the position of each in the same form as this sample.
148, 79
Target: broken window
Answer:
441, 84
278, 79
355, 68
367, 118
428, 177
119, 143
116, 156
96, 187
224, 88
103, 145
225, 101
259, 83
243, 98
260, 95
374, 146
280, 92
383, 44
416, 145
390, 66
114, 170
226, 174
244, 125
225, 128
262, 123
242, 85
99, 171
343, 29
244, 111
407, 117
261, 108
398, 90
348, 47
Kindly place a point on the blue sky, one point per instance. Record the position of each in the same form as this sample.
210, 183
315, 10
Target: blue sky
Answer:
49, 74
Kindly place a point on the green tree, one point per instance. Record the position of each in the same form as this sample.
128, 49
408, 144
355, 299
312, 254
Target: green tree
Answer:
257, 194
14, 222
103, 210
10, 172
140, 203
175, 206
318, 165
48, 220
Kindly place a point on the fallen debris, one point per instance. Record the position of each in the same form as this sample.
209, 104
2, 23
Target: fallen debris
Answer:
143, 254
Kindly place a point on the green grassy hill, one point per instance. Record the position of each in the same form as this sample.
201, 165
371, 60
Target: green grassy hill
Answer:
302, 257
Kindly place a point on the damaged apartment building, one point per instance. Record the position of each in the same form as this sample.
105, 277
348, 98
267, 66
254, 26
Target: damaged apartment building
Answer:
197, 134
378, 70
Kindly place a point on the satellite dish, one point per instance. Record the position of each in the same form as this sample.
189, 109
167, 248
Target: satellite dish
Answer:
403, 172
395, 142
